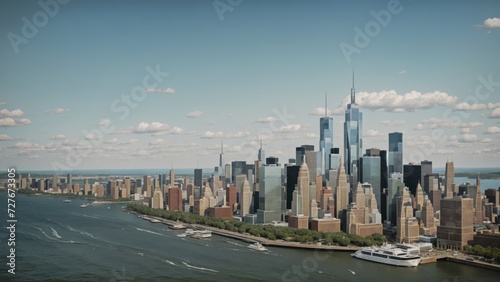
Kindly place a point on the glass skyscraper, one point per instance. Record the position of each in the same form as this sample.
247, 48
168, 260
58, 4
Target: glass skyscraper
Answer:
325, 141
353, 140
395, 153
269, 194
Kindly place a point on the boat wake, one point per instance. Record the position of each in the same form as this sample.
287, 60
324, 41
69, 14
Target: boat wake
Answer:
199, 268
169, 262
149, 231
81, 232
54, 232
354, 273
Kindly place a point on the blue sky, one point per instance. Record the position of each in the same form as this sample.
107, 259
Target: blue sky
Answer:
240, 70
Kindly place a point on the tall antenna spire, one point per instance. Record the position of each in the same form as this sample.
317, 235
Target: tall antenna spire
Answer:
326, 104
353, 91
222, 146
261, 141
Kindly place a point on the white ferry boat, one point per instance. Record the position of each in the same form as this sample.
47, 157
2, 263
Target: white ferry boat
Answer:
257, 246
199, 234
389, 255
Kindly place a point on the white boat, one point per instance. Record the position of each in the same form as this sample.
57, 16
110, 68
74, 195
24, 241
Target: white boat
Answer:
199, 234
154, 220
67, 201
183, 235
84, 205
257, 246
388, 254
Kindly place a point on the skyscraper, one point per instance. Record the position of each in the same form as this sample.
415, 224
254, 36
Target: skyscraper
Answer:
221, 159
457, 223
198, 177
325, 139
449, 179
262, 153
270, 194
371, 172
303, 187
395, 153
353, 140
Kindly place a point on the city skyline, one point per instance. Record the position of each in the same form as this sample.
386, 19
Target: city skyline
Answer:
426, 73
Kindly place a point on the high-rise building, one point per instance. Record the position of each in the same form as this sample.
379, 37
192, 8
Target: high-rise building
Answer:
412, 174
272, 161
449, 180
147, 186
371, 172
246, 199
262, 153
341, 194
456, 228
311, 158
395, 152
407, 230
395, 188
425, 169
292, 174
325, 139
428, 225
300, 152
157, 199
174, 198
269, 194
198, 177
221, 158
353, 139
55, 182
171, 178
237, 168
303, 187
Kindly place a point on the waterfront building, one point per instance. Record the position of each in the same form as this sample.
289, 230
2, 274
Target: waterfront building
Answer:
456, 227
269, 194
175, 198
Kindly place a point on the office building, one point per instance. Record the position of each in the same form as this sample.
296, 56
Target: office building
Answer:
292, 175
395, 153
175, 198
456, 227
449, 191
325, 140
371, 172
412, 174
269, 194
353, 139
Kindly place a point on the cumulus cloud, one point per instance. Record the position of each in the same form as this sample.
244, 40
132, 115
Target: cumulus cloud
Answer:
489, 23
174, 130
393, 122
13, 113
266, 120
195, 114
465, 130
212, 135
238, 134
373, 133
493, 130
153, 127
469, 138
391, 101
27, 146
57, 111
464, 106
5, 137
10, 122
288, 128
495, 113
444, 123
161, 91
444, 152
104, 122
58, 137
311, 135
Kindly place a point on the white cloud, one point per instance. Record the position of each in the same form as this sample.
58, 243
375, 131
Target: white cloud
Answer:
444, 123
212, 135
320, 112
27, 146
493, 130
495, 113
153, 127
13, 113
104, 122
402, 72
93, 136
419, 126
490, 23
195, 114
10, 122
5, 137
238, 134
266, 120
57, 111
288, 128
373, 133
444, 152
7, 122
174, 130
162, 91
58, 137
464, 106
465, 130
233, 149
311, 135
469, 138
393, 122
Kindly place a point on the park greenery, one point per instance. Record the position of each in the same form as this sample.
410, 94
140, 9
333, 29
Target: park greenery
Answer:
264, 231
486, 252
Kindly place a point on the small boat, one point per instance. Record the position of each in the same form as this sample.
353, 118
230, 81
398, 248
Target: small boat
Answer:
183, 235
84, 205
354, 273
67, 201
257, 246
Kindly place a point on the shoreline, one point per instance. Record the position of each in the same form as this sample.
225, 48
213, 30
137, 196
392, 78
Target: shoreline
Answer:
427, 258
